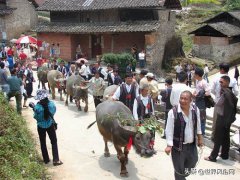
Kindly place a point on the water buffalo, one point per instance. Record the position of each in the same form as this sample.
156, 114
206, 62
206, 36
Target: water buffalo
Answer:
55, 79
109, 91
76, 89
107, 118
42, 75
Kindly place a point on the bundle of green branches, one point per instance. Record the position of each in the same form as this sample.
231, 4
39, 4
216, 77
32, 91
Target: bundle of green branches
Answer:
150, 124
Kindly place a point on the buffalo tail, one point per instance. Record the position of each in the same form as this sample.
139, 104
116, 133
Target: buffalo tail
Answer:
90, 125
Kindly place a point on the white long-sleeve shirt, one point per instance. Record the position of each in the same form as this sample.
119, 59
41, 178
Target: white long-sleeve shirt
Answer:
176, 92
216, 88
145, 103
117, 94
188, 133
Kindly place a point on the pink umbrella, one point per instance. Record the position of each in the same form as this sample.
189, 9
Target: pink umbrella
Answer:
26, 39
81, 59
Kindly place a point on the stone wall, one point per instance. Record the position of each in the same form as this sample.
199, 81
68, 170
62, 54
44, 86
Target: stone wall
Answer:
23, 18
215, 48
155, 49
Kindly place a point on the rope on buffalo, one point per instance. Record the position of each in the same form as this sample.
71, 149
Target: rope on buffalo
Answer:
200, 151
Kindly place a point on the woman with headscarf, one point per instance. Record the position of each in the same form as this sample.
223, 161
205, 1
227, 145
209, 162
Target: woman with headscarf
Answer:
44, 111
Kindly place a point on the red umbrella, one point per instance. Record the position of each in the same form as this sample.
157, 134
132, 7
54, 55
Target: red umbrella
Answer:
26, 39
81, 59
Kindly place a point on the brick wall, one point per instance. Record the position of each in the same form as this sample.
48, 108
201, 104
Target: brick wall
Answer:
64, 40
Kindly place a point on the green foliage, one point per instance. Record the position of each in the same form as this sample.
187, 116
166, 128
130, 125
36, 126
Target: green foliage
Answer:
121, 60
150, 124
188, 2
18, 156
232, 4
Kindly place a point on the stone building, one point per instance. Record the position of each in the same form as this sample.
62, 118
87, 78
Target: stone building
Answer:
103, 26
219, 38
16, 17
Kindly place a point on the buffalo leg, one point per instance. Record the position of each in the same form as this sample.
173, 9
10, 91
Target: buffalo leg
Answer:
49, 88
66, 102
53, 92
106, 150
126, 153
43, 86
61, 98
122, 159
86, 105
78, 105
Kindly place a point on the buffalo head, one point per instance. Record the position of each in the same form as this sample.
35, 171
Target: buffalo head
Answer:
144, 143
61, 82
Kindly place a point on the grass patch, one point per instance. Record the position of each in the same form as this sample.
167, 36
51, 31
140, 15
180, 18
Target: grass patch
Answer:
18, 156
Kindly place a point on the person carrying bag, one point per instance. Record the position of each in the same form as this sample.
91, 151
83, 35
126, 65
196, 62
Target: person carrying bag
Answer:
44, 111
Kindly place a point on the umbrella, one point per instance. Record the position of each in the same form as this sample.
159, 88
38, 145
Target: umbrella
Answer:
81, 59
13, 40
26, 39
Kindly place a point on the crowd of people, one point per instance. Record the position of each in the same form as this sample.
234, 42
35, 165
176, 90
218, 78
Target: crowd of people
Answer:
185, 105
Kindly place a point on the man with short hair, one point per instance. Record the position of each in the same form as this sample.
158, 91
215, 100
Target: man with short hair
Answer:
183, 126
166, 93
178, 68
143, 105
4, 87
143, 79
226, 109
28, 80
216, 89
15, 89
127, 92
179, 88
103, 73
202, 90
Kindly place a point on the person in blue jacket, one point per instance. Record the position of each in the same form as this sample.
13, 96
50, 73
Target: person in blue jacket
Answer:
44, 111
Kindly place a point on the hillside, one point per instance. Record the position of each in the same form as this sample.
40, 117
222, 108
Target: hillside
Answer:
18, 156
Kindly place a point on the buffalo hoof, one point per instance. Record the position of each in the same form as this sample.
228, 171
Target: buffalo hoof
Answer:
66, 104
86, 109
124, 173
106, 154
79, 108
61, 99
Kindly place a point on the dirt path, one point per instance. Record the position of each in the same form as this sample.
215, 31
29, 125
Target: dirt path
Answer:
81, 150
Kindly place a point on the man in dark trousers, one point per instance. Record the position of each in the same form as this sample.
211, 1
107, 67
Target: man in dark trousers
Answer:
226, 109
15, 89
127, 92
183, 126
166, 99
28, 79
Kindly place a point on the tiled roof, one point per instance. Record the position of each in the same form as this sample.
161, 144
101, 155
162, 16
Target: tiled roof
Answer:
222, 27
234, 14
112, 27
226, 29
80, 5
6, 11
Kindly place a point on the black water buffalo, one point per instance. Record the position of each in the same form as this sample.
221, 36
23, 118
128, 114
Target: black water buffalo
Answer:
111, 128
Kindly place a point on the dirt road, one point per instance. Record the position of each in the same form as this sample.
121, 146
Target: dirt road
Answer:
81, 150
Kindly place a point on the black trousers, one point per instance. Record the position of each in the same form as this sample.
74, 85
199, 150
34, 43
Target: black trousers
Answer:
184, 160
97, 100
221, 138
29, 88
53, 138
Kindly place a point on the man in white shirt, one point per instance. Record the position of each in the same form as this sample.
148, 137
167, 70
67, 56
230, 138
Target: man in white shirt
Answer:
178, 69
183, 126
83, 70
103, 73
216, 88
179, 88
143, 105
127, 92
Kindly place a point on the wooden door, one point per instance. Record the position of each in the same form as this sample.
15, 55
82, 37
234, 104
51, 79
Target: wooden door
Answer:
96, 45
